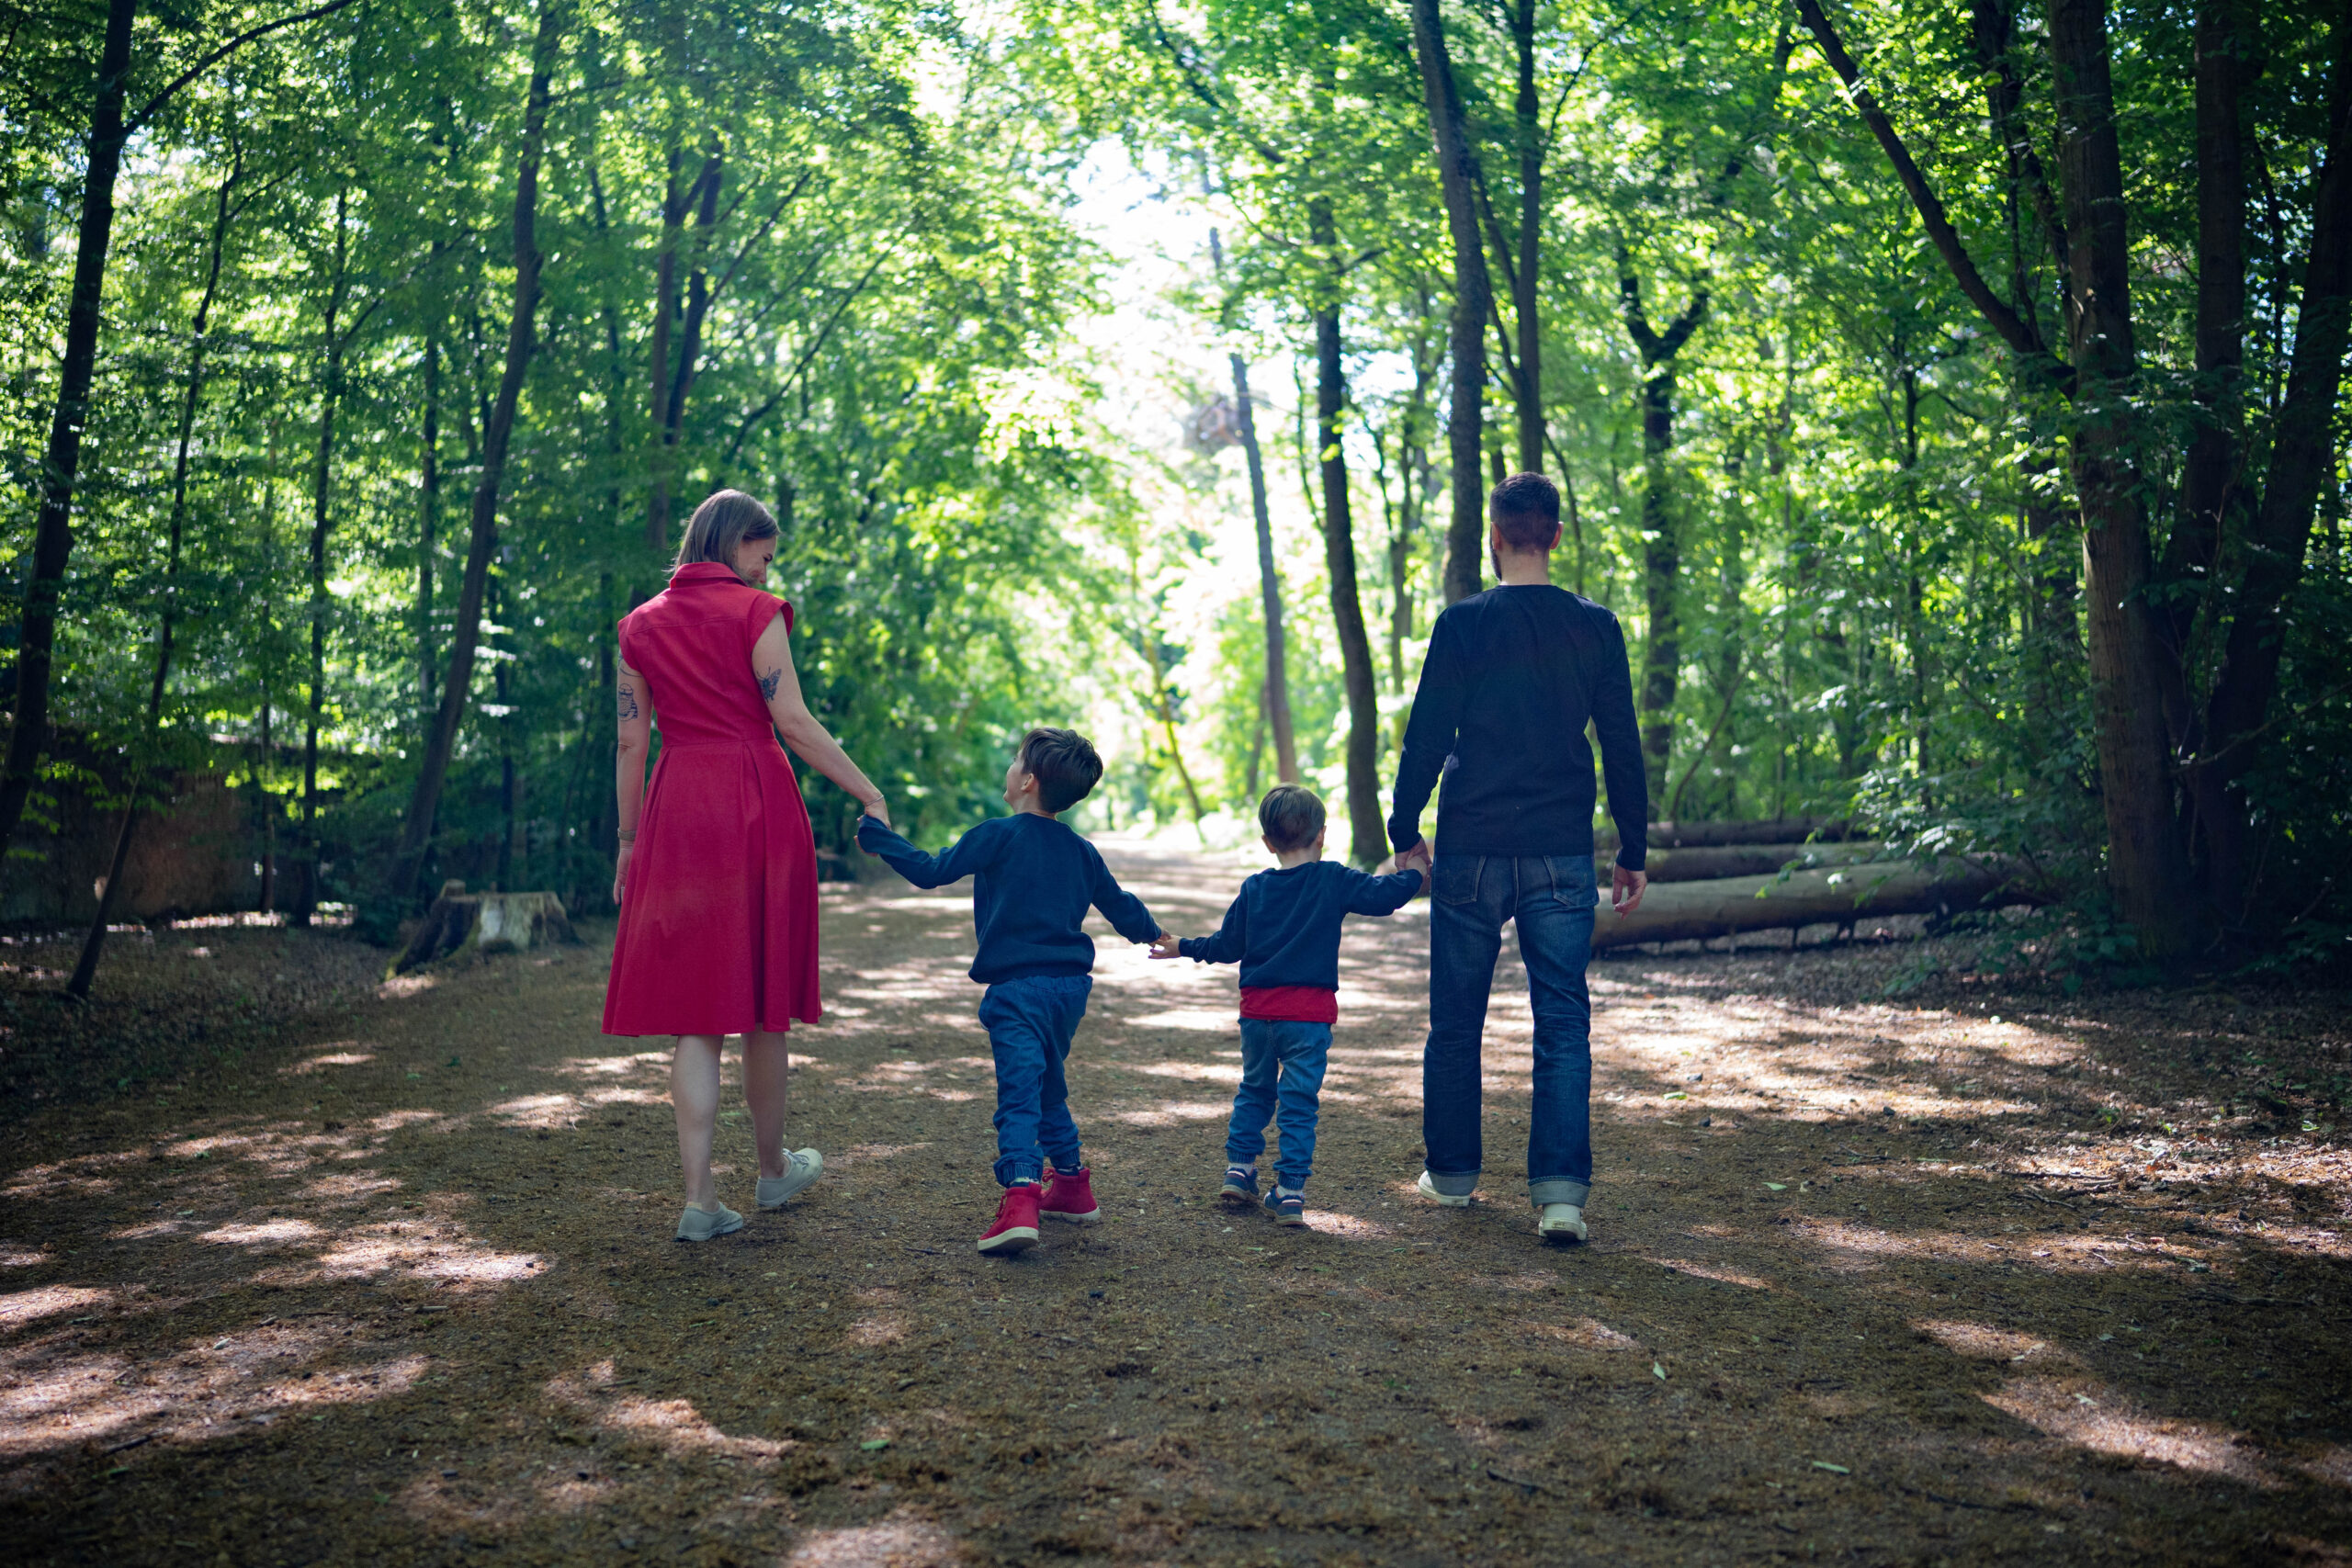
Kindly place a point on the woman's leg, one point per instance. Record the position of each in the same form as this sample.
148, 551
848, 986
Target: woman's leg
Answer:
694, 1092
767, 1088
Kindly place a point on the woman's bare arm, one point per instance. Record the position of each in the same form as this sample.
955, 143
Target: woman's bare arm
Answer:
780, 685
633, 707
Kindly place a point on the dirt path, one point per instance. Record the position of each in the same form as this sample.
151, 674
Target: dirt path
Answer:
1868, 1281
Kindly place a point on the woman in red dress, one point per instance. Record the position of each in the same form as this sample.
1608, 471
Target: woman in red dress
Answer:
717, 879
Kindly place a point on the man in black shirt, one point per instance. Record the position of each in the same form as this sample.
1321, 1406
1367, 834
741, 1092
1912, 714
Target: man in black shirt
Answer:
1512, 677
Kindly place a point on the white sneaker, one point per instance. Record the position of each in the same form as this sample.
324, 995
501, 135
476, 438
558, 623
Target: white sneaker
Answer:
807, 1164
1562, 1223
698, 1223
1428, 1189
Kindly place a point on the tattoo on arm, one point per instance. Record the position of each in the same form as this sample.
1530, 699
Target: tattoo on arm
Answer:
627, 701
768, 684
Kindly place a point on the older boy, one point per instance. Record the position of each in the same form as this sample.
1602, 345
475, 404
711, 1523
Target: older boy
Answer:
1033, 879
1283, 930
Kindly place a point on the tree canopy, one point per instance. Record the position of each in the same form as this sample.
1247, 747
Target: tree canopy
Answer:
1946, 399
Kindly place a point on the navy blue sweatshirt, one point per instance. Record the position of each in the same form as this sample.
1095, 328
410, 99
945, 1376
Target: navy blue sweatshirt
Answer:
1032, 880
1283, 929
1511, 676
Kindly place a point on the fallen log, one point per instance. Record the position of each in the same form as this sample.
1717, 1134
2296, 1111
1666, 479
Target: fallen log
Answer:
1703, 835
1742, 860
462, 925
1678, 911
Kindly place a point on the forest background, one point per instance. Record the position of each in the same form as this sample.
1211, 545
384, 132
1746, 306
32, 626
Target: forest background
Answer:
1946, 398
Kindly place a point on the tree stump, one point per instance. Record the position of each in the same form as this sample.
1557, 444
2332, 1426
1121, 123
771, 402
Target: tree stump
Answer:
462, 926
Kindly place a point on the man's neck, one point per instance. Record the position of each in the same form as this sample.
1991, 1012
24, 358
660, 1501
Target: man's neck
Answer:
1532, 569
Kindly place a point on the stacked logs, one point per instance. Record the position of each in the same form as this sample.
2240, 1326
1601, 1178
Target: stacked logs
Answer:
1712, 879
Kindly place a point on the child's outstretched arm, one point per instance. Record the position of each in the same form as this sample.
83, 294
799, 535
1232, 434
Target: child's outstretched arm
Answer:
1387, 894
1231, 941
1122, 908
968, 854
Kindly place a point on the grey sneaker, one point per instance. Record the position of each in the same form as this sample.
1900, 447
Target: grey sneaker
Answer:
1561, 1223
701, 1225
807, 1165
1427, 1188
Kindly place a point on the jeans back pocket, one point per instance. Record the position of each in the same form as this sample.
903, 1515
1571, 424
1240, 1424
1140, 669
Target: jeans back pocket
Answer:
1572, 880
1456, 881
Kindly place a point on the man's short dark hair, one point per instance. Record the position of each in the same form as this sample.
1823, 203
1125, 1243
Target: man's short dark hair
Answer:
1289, 816
1526, 510
1065, 767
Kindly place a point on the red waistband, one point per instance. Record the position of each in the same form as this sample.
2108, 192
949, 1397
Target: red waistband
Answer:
1290, 1004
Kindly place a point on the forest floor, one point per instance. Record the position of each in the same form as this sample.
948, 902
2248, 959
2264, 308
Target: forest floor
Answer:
331, 1271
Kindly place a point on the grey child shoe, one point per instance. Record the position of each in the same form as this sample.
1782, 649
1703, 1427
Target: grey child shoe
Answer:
807, 1165
698, 1223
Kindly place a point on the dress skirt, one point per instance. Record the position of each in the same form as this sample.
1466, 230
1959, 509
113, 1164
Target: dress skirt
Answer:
719, 920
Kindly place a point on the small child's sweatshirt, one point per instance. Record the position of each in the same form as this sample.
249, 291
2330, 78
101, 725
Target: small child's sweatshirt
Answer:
1033, 878
1283, 929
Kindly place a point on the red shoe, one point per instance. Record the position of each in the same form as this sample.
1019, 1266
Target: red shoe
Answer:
1069, 1195
1016, 1223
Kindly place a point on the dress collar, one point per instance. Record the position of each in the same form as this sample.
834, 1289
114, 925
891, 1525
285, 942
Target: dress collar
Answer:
704, 571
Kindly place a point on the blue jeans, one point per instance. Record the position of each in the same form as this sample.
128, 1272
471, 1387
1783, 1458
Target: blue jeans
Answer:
1281, 1075
1030, 1023
1552, 898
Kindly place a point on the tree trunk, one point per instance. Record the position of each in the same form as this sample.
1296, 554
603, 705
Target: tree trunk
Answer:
2146, 865
1525, 315
672, 382
1368, 840
1685, 911
53, 534
2302, 459
1270, 583
306, 898
1457, 167
497, 432
1661, 538
93, 944
428, 518
2210, 488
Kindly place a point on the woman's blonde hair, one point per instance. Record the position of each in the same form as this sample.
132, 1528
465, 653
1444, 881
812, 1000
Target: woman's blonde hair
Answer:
728, 519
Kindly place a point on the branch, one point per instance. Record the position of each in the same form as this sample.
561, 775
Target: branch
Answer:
147, 110
2013, 329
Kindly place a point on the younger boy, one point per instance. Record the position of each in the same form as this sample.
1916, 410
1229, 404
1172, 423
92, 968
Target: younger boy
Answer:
1033, 879
1284, 931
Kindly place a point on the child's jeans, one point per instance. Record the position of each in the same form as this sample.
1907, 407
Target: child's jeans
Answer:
1030, 1023
1282, 1076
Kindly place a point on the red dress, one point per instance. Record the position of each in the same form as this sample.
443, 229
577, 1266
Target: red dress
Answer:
718, 919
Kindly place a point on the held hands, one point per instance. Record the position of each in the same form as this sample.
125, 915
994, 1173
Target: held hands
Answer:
1625, 889
880, 809
1418, 858
1164, 945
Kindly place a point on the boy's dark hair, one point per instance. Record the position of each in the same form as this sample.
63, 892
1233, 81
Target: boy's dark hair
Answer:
1289, 816
1065, 767
1526, 510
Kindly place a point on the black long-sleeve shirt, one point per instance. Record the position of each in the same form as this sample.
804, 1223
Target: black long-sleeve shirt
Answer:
1512, 677
1283, 929
1033, 878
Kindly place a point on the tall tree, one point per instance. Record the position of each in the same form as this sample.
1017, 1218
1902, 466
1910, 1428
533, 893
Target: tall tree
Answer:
1368, 842
85, 970
1458, 180
497, 432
